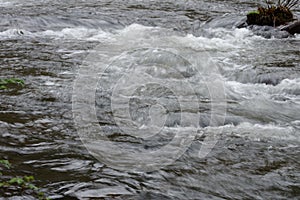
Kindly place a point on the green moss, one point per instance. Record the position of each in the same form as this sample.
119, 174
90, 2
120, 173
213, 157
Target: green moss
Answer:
253, 12
10, 82
21, 183
5, 163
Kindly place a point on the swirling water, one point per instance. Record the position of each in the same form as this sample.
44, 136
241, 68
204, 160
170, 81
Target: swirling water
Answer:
47, 42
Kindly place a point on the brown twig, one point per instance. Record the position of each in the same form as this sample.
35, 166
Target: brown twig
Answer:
288, 3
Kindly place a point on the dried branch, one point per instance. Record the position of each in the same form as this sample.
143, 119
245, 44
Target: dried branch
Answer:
288, 3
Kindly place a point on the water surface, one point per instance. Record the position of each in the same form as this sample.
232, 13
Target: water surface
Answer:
257, 153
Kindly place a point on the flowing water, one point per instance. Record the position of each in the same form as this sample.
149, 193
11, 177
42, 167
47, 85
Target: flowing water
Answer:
253, 113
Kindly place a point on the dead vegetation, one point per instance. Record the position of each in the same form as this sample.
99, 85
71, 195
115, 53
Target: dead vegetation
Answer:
273, 15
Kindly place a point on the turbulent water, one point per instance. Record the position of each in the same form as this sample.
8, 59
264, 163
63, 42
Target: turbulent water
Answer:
147, 72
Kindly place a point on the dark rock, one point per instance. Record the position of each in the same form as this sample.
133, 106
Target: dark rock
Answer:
270, 16
292, 28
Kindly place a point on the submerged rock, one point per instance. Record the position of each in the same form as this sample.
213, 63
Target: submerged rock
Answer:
277, 32
269, 32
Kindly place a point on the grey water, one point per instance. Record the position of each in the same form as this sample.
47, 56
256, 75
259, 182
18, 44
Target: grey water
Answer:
184, 46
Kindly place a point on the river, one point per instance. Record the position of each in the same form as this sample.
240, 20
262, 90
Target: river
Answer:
225, 102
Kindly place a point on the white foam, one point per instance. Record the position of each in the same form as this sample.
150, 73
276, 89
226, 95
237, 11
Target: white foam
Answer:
257, 132
12, 33
15, 3
5, 3
79, 33
289, 88
222, 40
